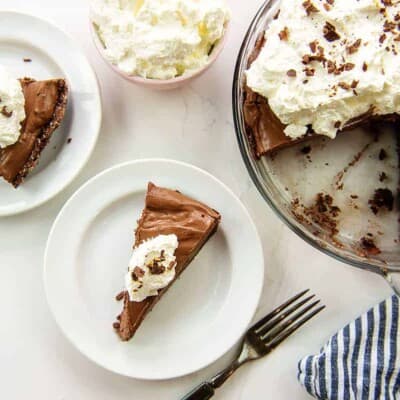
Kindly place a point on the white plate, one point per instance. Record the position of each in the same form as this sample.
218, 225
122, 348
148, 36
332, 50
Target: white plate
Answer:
54, 54
203, 314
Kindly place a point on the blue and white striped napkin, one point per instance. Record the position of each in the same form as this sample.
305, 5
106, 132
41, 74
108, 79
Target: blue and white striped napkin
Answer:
360, 362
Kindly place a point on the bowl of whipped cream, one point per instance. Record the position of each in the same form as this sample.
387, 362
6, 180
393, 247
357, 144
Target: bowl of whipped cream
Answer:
161, 44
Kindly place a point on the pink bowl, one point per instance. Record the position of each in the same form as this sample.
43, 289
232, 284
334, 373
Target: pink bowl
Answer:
161, 84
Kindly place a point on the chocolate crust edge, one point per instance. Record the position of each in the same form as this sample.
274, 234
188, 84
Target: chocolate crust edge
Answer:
46, 132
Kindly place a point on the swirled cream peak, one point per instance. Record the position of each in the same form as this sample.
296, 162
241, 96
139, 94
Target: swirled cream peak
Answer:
326, 62
12, 108
159, 39
152, 267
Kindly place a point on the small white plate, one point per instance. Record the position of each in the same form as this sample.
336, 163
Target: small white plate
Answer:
203, 314
54, 54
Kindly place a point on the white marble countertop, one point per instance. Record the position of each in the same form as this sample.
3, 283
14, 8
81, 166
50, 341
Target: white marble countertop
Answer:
195, 125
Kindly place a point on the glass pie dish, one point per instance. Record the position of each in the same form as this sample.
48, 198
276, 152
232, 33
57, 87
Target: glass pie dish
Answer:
336, 177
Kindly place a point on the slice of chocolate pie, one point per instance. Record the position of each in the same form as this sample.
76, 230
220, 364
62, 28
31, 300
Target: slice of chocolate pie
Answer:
171, 231
45, 105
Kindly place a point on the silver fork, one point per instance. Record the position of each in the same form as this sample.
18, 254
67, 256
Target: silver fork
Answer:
262, 338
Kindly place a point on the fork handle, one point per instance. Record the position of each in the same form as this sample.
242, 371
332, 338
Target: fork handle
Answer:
206, 390
202, 392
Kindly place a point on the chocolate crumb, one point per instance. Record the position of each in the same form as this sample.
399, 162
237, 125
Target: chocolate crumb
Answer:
389, 26
5, 112
292, 73
354, 196
120, 296
306, 149
322, 212
354, 84
364, 66
369, 246
284, 33
27, 60
331, 66
348, 66
137, 273
171, 265
116, 325
313, 46
157, 269
353, 48
344, 85
309, 71
382, 38
69, 140
382, 154
382, 176
330, 33
309, 7
382, 199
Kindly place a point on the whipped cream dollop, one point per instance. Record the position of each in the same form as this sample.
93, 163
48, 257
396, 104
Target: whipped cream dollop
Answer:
152, 267
159, 39
326, 62
12, 108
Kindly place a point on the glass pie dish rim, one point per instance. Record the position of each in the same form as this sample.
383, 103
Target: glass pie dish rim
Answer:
252, 165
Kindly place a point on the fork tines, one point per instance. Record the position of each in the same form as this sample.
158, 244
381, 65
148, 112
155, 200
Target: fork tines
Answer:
275, 327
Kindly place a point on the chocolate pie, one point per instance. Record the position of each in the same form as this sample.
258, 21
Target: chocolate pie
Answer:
45, 105
167, 212
264, 129
313, 72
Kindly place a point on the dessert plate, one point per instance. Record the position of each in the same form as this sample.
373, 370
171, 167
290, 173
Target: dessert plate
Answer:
27, 37
87, 255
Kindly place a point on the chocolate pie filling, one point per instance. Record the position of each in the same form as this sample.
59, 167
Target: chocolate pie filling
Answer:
45, 104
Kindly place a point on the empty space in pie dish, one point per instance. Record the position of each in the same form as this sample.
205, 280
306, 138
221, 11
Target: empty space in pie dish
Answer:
348, 169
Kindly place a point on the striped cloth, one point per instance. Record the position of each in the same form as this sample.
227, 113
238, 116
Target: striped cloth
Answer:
360, 362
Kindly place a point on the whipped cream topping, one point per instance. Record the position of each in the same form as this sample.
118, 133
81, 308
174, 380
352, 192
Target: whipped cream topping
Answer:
159, 39
152, 267
12, 108
326, 62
